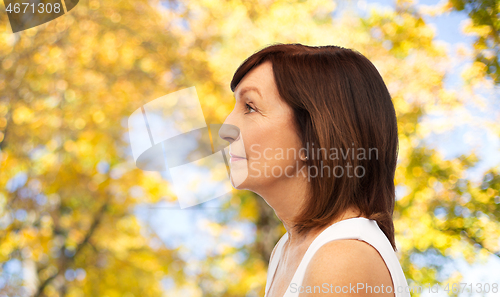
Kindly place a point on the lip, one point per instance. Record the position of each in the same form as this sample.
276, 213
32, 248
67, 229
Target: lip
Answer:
235, 158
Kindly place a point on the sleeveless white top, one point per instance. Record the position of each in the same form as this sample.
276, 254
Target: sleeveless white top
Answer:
354, 228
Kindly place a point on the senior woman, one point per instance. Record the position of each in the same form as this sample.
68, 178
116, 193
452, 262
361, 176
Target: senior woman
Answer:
315, 131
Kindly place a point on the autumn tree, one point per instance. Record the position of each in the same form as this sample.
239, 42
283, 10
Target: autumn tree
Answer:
69, 185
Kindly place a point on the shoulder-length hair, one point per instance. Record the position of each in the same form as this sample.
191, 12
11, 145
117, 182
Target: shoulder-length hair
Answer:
345, 117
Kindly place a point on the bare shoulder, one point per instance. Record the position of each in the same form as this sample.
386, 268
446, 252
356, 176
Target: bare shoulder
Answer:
349, 268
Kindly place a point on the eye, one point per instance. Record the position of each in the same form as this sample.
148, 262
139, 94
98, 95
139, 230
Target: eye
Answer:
248, 106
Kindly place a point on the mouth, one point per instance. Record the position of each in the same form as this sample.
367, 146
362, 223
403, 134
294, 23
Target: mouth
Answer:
235, 158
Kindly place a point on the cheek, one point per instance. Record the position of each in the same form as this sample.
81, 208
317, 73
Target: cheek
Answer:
274, 147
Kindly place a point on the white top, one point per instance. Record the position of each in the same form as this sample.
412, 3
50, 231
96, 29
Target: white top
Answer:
354, 228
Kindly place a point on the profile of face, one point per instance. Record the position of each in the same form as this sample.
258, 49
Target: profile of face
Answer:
265, 143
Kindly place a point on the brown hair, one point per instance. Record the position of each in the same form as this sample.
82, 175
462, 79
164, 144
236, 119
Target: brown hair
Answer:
339, 101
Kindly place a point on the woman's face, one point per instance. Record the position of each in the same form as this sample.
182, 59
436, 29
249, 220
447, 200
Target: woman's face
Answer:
267, 140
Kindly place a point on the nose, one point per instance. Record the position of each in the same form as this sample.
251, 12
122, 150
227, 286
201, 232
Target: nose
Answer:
229, 132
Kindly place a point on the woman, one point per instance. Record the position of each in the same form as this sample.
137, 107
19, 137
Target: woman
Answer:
314, 133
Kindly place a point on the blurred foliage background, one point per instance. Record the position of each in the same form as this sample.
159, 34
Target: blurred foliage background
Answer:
69, 187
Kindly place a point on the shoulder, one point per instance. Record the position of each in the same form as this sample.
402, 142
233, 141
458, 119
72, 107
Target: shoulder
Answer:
348, 266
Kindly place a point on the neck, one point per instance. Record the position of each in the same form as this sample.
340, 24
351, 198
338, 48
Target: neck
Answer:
296, 239
288, 197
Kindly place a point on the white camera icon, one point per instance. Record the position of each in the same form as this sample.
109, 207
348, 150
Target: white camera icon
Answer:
170, 134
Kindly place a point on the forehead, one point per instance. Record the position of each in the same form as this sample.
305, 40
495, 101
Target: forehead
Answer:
260, 83
260, 79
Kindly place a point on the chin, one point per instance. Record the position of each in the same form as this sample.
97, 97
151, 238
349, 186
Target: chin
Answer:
239, 174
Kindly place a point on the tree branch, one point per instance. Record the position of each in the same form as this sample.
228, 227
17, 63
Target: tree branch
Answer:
65, 262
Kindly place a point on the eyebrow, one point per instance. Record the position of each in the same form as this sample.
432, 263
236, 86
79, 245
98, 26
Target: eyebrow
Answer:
248, 89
